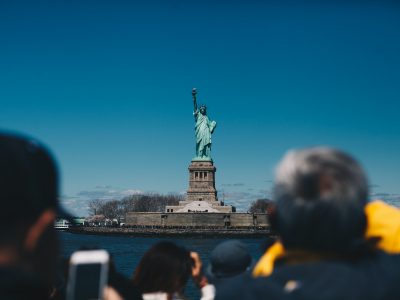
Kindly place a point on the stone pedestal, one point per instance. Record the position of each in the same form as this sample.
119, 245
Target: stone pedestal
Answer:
201, 195
202, 182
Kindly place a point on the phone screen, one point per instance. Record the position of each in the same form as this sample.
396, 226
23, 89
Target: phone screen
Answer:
88, 273
87, 282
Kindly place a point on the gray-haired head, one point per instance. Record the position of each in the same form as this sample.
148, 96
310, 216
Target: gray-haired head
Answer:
320, 193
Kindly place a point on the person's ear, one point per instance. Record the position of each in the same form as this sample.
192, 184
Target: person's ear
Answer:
34, 233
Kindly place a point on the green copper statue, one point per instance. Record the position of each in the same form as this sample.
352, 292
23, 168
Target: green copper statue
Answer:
203, 130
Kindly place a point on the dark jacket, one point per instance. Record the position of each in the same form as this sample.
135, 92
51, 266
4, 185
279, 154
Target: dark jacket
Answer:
374, 277
16, 284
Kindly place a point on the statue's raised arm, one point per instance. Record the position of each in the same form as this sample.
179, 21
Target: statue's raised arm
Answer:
194, 93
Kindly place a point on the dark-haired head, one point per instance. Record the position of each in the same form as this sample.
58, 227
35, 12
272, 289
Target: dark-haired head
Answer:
165, 267
29, 192
320, 195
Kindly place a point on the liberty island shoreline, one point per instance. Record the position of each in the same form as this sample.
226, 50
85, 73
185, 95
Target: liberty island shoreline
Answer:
169, 232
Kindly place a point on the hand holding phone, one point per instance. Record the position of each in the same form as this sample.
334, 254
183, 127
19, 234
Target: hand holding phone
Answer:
88, 275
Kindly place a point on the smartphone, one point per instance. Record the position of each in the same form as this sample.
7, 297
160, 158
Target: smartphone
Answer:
88, 275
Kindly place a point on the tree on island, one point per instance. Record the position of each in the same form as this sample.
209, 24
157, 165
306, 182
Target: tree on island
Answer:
110, 209
150, 202
261, 206
115, 209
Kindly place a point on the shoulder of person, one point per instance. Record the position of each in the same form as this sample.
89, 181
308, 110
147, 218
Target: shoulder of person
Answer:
380, 260
245, 287
383, 273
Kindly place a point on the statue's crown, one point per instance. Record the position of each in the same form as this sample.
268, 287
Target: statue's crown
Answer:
203, 106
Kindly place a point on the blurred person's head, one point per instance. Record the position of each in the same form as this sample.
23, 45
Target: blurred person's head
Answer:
165, 267
28, 195
228, 259
320, 196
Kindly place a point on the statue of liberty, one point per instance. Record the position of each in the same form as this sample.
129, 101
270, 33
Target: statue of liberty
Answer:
203, 130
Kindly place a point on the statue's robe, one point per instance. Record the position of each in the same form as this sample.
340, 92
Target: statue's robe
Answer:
203, 130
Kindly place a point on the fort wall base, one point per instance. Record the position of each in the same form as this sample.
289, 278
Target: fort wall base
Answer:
207, 220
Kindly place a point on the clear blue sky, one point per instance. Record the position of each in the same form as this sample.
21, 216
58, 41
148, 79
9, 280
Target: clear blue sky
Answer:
106, 85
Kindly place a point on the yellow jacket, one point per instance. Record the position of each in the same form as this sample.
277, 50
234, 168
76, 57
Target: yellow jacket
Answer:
383, 222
